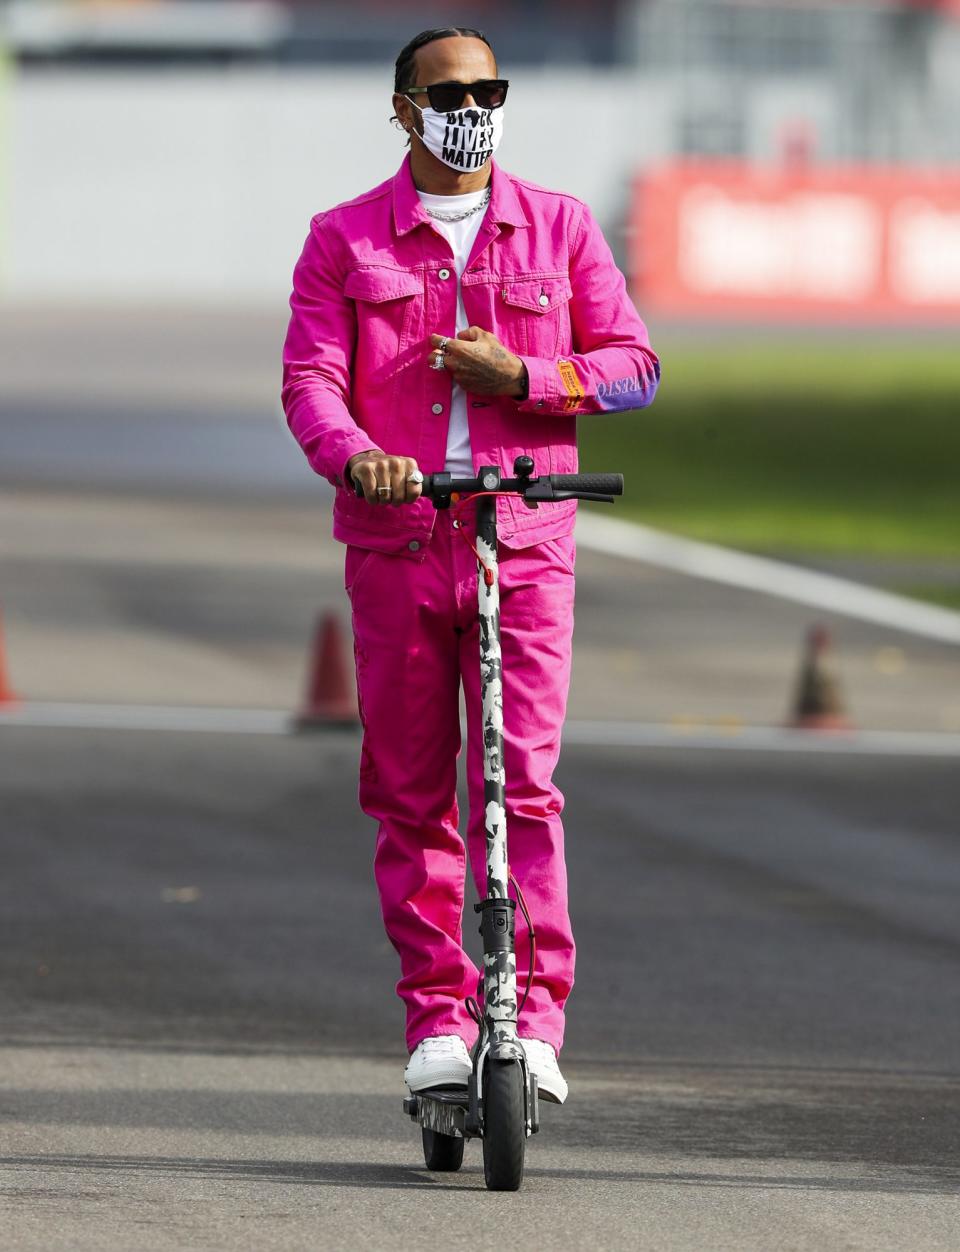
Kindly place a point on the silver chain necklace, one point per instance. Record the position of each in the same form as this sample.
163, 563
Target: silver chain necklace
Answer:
459, 217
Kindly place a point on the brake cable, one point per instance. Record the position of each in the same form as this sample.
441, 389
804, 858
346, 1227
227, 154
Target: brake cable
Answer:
533, 940
458, 501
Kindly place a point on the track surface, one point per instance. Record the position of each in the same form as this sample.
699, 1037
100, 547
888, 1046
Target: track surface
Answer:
201, 1046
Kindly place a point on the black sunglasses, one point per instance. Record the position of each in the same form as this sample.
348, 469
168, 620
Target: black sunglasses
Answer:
489, 93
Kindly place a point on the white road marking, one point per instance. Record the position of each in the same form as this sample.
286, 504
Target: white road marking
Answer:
761, 739
221, 721
725, 737
769, 577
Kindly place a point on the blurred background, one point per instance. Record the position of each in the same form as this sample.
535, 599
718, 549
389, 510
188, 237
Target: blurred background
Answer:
780, 181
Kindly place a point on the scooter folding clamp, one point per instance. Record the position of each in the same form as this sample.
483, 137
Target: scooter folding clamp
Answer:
497, 924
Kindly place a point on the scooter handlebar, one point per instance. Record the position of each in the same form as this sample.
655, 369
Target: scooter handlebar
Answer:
543, 489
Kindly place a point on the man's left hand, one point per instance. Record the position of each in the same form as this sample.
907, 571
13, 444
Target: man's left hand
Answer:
480, 363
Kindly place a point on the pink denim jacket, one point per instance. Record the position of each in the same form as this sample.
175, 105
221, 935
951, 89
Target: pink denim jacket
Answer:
375, 279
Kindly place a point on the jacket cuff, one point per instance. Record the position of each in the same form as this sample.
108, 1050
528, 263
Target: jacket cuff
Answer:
546, 392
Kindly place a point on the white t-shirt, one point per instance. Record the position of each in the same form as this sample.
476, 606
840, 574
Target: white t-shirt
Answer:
461, 236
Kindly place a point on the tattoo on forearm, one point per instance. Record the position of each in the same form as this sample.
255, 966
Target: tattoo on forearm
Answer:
487, 372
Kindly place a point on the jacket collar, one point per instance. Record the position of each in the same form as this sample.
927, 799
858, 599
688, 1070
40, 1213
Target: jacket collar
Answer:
408, 212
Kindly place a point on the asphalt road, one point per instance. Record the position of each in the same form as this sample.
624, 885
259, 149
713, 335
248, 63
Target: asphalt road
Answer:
199, 599
201, 1046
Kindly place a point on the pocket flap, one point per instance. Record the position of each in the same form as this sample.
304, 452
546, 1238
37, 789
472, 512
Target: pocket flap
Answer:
378, 283
539, 295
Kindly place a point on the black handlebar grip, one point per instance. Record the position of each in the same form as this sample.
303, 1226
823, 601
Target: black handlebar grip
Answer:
599, 484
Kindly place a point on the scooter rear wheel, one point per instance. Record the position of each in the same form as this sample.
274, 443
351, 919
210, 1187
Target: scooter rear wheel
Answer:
442, 1153
504, 1126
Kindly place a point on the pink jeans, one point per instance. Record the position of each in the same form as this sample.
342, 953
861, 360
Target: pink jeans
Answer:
416, 640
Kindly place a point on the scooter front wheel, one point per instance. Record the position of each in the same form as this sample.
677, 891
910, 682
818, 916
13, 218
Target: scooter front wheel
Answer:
442, 1153
504, 1126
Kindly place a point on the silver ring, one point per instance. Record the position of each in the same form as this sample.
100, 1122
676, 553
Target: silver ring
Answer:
438, 362
442, 345
384, 491
415, 477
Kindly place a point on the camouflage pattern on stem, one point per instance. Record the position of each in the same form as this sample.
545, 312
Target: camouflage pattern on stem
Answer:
499, 968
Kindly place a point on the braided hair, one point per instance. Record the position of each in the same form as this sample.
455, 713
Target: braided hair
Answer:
405, 76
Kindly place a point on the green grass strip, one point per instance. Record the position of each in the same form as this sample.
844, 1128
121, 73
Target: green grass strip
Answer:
837, 448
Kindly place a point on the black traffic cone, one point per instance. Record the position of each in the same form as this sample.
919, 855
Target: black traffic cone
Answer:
818, 701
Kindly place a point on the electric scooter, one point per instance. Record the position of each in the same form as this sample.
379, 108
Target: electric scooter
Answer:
501, 1104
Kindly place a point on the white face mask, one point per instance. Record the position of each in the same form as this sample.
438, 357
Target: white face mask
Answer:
465, 139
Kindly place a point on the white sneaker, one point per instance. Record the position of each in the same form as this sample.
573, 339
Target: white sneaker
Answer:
542, 1060
440, 1061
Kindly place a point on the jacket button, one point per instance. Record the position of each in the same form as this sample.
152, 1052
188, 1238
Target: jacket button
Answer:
544, 301
414, 545
444, 274
436, 408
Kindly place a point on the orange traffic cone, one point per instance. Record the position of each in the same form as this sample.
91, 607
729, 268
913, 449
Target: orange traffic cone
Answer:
818, 702
8, 698
331, 691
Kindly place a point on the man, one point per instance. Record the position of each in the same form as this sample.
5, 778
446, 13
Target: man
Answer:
452, 317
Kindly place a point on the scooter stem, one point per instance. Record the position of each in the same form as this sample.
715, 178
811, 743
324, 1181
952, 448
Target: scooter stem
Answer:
497, 910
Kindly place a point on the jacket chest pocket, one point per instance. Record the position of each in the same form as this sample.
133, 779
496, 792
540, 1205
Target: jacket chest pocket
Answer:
387, 308
536, 314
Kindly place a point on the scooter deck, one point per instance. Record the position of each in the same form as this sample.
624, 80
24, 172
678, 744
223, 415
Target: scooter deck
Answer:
443, 1110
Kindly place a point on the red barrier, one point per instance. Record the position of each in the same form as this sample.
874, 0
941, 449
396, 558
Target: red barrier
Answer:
727, 239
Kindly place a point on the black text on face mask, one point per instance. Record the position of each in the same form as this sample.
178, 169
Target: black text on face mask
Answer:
466, 142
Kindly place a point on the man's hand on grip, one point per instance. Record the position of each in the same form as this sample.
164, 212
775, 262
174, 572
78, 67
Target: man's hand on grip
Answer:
375, 470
